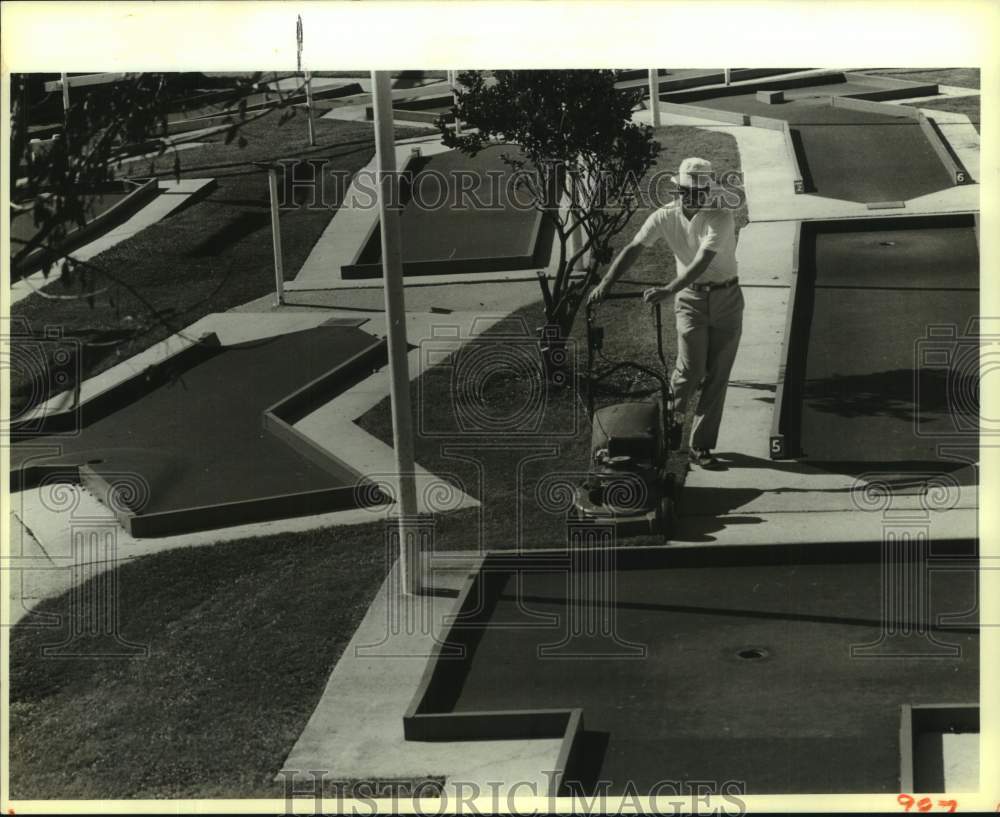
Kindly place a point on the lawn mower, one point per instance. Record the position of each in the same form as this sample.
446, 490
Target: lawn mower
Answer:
628, 484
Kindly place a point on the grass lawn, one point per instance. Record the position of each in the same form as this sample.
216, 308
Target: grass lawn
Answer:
209, 257
243, 635
962, 77
242, 638
969, 105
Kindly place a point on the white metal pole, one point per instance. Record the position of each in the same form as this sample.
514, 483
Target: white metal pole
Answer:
654, 96
453, 81
65, 93
728, 74
309, 107
395, 309
279, 273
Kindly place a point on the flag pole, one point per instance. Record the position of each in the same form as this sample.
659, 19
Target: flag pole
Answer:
306, 76
395, 313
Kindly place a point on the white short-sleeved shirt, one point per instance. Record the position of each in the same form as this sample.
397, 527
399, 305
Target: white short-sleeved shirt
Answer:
712, 229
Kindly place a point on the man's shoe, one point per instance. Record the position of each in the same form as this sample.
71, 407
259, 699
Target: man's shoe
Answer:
704, 458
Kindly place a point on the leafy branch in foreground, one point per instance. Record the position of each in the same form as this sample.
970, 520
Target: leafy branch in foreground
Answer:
54, 179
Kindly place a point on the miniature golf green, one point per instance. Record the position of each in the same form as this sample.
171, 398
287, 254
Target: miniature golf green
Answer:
876, 367
462, 216
855, 155
747, 675
849, 154
200, 440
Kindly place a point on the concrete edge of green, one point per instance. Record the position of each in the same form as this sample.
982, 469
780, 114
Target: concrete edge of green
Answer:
143, 192
421, 723
919, 719
881, 87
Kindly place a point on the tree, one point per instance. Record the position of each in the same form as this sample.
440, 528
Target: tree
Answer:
580, 159
58, 159
52, 178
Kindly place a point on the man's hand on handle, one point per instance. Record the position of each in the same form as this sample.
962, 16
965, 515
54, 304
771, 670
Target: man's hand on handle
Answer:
598, 293
618, 267
655, 295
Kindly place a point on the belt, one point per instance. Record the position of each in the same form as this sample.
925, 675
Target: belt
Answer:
709, 287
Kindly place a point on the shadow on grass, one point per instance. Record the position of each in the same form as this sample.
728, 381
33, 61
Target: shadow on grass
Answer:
241, 638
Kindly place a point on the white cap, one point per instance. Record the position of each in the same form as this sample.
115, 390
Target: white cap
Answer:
694, 172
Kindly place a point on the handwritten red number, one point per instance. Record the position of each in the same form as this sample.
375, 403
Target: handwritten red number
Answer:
905, 801
924, 804
951, 805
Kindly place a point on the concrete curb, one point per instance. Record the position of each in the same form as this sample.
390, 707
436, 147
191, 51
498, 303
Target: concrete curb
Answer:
173, 196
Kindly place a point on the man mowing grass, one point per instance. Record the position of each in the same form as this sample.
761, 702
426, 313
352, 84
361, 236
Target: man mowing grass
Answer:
708, 302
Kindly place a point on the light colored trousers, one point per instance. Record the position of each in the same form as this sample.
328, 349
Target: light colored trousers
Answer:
709, 325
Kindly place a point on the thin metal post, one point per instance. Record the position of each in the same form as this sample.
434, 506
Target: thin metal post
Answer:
654, 95
309, 108
395, 308
728, 72
65, 93
279, 272
453, 82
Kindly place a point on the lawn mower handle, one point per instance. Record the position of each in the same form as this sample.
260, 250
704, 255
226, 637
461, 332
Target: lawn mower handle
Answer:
625, 296
662, 378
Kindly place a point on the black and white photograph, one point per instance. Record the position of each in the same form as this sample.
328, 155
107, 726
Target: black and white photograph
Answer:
387, 431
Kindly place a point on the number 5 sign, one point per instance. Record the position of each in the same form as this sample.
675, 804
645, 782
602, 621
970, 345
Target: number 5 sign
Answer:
777, 448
